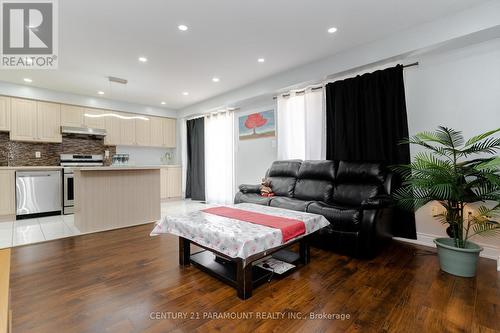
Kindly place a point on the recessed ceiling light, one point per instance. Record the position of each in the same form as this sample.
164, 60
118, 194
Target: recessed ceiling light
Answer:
332, 30
215, 79
185, 93
163, 103
100, 92
28, 80
261, 60
143, 59
182, 27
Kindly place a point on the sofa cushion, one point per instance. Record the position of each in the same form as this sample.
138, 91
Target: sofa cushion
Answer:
289, 168
354, 194
322, 169
251, 198
340, 218
289, 203
359, 172
283, 186
313, 189
315, 181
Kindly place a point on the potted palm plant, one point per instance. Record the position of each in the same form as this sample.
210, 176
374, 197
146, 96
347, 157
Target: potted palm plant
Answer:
445, 173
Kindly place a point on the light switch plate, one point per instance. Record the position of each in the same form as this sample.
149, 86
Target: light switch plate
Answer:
38, 154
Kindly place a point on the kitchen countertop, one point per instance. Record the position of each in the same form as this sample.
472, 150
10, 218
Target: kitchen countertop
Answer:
31, 168
126, 167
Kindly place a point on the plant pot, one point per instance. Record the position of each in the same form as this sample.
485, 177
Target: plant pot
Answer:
457, 261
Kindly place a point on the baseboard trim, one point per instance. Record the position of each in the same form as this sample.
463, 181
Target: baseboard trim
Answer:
490, 252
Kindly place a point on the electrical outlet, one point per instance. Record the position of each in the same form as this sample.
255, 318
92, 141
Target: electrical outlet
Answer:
106, 153
38, 154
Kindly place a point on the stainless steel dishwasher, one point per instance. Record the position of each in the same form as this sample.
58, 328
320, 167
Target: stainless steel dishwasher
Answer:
38, 193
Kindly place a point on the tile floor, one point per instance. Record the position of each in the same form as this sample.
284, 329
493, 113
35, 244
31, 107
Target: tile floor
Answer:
42, 229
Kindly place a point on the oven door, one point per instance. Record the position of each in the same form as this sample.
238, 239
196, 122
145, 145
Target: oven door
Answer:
69, 193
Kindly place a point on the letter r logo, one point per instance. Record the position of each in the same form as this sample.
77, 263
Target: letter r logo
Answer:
27, 27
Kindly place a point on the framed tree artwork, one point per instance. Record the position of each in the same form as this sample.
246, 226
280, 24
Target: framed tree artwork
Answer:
257, 125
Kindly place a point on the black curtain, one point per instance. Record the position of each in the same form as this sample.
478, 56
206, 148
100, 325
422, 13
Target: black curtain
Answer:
195, 174
366, 119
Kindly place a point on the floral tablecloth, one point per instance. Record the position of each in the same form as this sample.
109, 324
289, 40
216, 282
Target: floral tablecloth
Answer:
235, 238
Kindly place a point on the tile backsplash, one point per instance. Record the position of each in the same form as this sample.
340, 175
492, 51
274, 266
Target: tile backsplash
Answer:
15, 153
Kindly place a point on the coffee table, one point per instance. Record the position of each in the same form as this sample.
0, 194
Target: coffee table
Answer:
231, 247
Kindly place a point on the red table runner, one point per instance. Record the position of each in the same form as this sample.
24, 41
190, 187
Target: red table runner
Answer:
290, 228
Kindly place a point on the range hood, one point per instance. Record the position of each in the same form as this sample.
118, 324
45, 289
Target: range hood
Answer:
83, 131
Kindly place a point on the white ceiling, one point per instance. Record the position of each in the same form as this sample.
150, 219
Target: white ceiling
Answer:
100, 38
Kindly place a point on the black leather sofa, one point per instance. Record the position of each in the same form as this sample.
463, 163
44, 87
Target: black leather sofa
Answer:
354, 197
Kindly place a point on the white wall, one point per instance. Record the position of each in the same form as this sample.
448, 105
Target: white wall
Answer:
253, 157
146, 155
469, 26
458, 89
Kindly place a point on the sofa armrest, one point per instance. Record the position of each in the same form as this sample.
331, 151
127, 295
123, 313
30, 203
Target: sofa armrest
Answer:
376, 229
380, 201
244, 188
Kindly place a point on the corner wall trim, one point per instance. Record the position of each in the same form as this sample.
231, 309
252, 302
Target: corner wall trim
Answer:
490, 252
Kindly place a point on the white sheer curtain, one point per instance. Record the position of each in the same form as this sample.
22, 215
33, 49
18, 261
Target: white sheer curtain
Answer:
302, 126
219, 157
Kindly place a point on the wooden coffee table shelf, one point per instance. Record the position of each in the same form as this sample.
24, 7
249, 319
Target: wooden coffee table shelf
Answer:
240, 273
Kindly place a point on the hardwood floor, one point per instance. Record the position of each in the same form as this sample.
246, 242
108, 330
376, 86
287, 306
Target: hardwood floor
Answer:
116, 281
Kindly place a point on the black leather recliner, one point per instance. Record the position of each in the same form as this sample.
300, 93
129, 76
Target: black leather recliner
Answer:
354, 197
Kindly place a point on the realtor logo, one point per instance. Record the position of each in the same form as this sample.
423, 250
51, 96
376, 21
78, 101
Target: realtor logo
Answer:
29, 34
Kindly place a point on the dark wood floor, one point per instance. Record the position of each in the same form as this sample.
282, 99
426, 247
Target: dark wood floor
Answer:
113, 281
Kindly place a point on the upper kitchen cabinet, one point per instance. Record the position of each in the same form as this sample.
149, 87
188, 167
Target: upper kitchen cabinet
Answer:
127, 131
48, 122
35, 121
4, 113
93, 118
72, 116
156, 130
142, 131
113, 129
23, 120
169, 132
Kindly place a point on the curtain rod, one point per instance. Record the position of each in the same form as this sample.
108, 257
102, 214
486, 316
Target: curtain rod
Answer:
201, 115
321, 87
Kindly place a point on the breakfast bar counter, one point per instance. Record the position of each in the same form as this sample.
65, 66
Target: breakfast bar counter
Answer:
115, 197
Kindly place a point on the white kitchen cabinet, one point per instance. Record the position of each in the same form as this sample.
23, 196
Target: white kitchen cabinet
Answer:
72, 116
156, 131
35, 121
127, 131
169, 132
4, 113
142, 132
174, 179
171, 182
94, 122
23, 120
7, 193
48, 122
163, 183
113, 130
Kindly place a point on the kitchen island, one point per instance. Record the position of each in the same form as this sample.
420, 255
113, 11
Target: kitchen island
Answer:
116, 197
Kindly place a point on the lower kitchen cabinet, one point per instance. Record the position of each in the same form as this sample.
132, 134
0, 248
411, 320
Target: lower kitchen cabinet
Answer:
7, 192
171, 182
